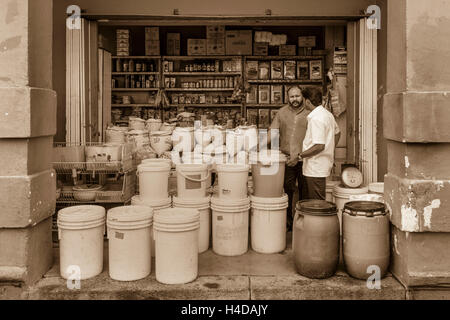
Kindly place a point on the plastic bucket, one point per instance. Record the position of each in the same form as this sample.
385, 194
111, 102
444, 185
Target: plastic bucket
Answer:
230, 226
232, 181
377, 188
192, 180
342, 196
203, 207
153, 125
129, 234
153, 180
268, 173
198, 158
160, 141
80, 233
156, 206
176, 244
183, 139
329, 189
268, 224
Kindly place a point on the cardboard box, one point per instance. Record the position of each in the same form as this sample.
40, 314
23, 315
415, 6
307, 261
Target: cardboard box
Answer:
215, 32
288, 50
264, 94
289, 69
215, 47
196, 47
264, 70
309, 41
251, 70
152, 33
315, 68
260, 49
152, 48
276, 94
252, 96
173, 44
276, 69
238, 42
303, 70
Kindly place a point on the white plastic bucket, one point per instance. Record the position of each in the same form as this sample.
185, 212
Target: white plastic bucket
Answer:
129, 234
198, 158
153, 125
156, 160
230, 226
176, 244
192, 180
160, 141
232, 181
183, 139
204, 208
377, 188
329, 189
342, 196
156, 205
268, 224
136, 123
80, 233
153, 180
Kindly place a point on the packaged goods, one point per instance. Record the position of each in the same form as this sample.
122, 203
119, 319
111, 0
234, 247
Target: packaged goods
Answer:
260, 48
276, 69
315, 67
263, 121
303, 70
288, 50
276, 94
309, 41
264, 94
263, 70
215, 47
215, 32
252, 116
238, 42
289, 69
252, 96
252, 69
152, 48
196, 47
152, 33
173, 44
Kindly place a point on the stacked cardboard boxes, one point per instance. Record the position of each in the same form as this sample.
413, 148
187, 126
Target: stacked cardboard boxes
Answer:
123, 42
173, 44
152, 46
238, 42
215, 40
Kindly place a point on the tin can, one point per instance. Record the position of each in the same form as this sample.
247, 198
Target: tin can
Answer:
205, 83
217, 65
216, 83
131, 66
186, 68
197, 84
125, 66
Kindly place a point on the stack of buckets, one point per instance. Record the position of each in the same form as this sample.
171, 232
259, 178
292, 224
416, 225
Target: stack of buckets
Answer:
268, 202
230, 210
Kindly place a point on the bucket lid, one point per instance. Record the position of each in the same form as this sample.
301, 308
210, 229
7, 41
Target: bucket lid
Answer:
192, 202
365, 208
133, 213
377, 187
316, 207
77, 214
352, 177
154, 166
340, 189
137, 200
267, 156
177, 216
231, 167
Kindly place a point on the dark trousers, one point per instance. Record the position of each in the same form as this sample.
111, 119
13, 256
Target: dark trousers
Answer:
315, 188
291, 176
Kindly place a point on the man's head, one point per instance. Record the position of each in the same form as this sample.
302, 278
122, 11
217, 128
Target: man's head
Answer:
314, 97
295, 97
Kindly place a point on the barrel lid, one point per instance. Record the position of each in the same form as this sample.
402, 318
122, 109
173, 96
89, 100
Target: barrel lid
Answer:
267, 156
176, 215
365, 208
130, 213
377, 187
316, 207
137, 200
352, 177
341, 189
85, 213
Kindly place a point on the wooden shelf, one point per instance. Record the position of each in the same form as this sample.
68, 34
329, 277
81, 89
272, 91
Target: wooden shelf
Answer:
118, 105
192, 74
136, 57
284, 81
134, 73
205, 105
200, 57
316, 57
263, 105
134, 89
199, 89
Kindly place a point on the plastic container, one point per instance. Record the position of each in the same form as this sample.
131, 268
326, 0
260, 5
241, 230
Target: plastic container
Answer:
156, 205
160, 141
232, 181
329, 189
268, 173
176, 244
152, 125
366, 238
199, 158
183, 139
377, 188
268, 224
342, 195
315, 242
129, 234
192, 180
204, 208
230, 226
153, 180
80, 233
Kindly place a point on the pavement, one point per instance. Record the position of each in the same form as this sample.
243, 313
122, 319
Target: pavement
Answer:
252, 276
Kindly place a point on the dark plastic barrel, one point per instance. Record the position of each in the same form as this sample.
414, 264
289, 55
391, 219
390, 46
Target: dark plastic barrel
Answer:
316, 238
365, 231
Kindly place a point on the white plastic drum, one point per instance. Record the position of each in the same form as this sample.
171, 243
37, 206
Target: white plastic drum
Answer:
204, 208
232, 181
176, 244
268, 224
154, 180
80, 232
129, 234
230, 226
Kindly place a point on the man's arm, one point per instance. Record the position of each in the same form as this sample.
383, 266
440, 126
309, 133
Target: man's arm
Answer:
311, 152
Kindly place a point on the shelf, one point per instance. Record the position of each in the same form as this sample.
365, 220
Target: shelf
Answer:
133, 73
192, 74
253, 105
135, 89
118, 105
317, 57
205, 105
199, 89
284, 81
136, 57
200, 57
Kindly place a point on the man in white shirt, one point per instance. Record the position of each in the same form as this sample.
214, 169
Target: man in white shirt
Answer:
322, 135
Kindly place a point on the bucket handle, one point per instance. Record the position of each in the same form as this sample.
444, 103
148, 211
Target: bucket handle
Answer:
195, 180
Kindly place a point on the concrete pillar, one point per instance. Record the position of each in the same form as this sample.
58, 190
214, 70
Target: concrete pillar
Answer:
27, 126
417, 124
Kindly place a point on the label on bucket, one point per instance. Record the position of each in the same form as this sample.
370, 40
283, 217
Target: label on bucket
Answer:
119, 235
193, 184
